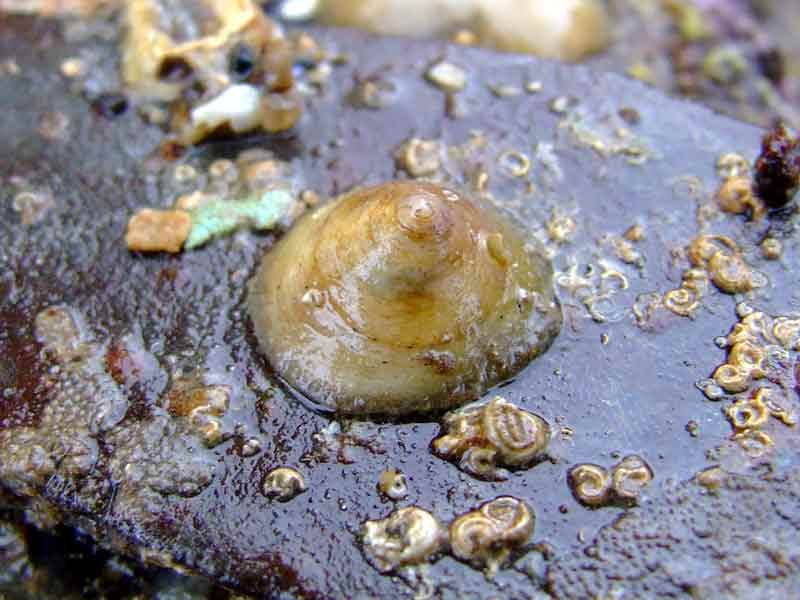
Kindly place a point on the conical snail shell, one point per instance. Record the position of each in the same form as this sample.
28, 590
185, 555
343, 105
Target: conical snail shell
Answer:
401, 298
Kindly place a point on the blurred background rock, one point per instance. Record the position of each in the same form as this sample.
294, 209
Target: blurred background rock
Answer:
740, 57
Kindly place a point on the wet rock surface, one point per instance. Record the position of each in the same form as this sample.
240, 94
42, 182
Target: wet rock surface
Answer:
619, 380
694, 543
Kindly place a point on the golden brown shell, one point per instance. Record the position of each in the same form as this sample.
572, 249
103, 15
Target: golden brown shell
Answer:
407, 537
629, 477
283, 484
486, 536
594, 486
485, 436
591, 484
399, 298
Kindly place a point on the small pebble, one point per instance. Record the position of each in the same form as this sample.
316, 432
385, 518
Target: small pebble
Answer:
447, 77
73, 67
251, 447
158, 230
771, 248
504, 90
533, 87
464, 37
561, 105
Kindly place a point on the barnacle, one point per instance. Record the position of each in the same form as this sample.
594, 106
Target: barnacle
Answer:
591, 484
487, 435
407, 537
399, 298
486, 536
283, 484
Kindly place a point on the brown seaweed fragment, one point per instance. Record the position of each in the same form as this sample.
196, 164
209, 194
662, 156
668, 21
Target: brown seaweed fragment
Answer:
778, 167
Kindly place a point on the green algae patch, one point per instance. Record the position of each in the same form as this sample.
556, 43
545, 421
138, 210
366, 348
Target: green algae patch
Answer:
222, 217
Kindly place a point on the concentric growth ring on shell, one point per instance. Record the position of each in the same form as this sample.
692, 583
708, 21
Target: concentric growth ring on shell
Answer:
424, 214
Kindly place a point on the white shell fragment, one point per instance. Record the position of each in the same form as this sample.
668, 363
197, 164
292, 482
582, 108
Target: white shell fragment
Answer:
238, 106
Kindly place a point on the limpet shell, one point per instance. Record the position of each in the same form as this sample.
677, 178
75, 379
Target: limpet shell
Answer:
400, 298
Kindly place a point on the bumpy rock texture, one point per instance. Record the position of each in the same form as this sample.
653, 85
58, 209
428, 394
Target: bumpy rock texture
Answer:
694, 543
